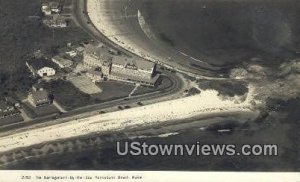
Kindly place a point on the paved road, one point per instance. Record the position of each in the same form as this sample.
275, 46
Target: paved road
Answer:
81, 19
86, 111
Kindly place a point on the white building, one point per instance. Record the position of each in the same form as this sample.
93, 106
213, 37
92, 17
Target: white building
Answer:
46, 71
41, 68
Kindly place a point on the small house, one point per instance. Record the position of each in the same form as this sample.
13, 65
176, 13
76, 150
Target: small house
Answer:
39, 97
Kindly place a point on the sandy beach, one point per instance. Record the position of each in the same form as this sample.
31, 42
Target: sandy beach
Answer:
102, 22
208, 102
130, 31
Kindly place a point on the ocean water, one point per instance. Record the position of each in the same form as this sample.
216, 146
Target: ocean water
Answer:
105, 157
222, 33
226, 31
280, 131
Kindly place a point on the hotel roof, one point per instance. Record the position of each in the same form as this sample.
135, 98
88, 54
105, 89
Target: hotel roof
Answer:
135, 78
139, 63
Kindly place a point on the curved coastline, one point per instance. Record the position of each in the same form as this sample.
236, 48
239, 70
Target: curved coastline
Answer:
118, 21
209, 103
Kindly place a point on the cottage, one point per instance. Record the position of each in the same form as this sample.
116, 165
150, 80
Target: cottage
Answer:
39, 97
62, 62
41, 68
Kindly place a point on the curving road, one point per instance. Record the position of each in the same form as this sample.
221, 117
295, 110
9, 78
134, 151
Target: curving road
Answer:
82, 19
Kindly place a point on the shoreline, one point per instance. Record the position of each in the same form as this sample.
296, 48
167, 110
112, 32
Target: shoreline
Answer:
208, 103
100, 141
100, 15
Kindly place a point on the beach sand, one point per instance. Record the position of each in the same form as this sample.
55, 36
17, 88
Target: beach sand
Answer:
127, 31
208, 102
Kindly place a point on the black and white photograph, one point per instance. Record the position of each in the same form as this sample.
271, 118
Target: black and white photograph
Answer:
164, 87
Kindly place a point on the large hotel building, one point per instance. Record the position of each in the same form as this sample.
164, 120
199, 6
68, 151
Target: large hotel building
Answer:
116, 67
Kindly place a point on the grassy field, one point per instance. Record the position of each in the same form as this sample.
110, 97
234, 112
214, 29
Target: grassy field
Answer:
40, 111
113, 90
68, 95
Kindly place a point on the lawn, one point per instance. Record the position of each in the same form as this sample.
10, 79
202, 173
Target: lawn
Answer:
35, 112
112, 90
68, 95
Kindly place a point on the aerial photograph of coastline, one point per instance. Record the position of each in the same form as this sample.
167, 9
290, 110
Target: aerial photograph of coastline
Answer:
150, 85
